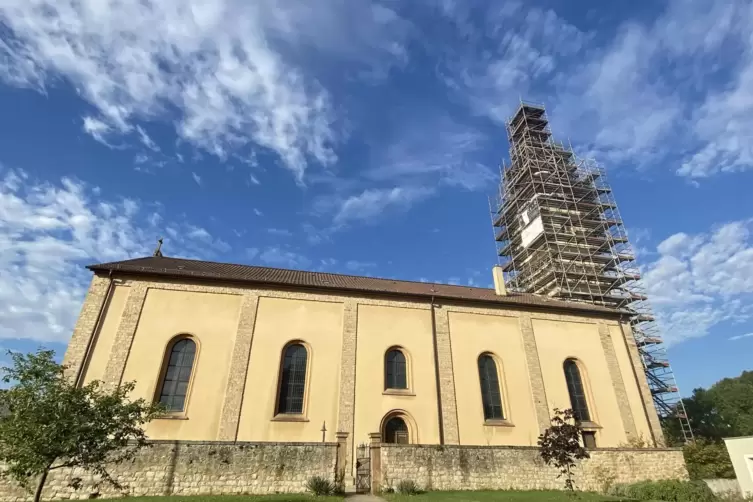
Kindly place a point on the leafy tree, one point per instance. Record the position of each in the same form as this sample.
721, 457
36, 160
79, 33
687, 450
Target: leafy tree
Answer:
723, 410
53, 424
560, 446
708, 460
3, 407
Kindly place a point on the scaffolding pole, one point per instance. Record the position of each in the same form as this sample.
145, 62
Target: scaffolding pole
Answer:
559, 233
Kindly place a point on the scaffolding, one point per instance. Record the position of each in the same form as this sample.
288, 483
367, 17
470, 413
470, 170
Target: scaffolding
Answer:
559, 233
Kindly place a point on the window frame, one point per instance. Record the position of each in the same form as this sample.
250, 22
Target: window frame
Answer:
408, 390
385, 431
303, 415
590, 434
407, 420
583, 377
505, 420
160, 383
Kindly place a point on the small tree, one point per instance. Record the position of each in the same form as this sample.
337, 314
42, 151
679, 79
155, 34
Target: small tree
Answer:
560, 446
51, 423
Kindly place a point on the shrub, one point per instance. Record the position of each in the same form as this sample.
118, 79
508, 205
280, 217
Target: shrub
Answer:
320, 486
668, 490
387, 486
408, 487
708, 460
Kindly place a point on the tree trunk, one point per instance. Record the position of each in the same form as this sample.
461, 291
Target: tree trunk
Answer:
38, 494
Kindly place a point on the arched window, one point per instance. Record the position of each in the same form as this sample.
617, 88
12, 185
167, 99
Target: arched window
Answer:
395, 431
578, 401
490, 394
395, 371
177, 375
292, 380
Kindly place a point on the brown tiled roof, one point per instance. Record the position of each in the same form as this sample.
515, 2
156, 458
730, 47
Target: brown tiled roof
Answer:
179, 267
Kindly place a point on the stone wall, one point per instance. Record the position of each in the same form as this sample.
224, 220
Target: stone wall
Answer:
193, 468
520, 468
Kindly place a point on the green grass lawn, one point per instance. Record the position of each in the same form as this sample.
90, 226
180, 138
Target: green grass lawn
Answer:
229, 498
461, 496
499, 496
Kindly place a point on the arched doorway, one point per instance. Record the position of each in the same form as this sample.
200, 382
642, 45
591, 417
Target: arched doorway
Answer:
395, 431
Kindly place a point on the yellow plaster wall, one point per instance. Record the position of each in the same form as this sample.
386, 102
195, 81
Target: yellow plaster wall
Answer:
559, 340
213, 320
100, 352
471, 335
279, 321
631, 384
380, 328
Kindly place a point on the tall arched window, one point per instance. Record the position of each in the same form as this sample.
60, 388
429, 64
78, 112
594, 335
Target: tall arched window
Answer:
292, 380
395, 431
578, 401
490, 394
395, 370
177, 375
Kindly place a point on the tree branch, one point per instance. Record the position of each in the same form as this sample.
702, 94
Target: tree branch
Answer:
66, 464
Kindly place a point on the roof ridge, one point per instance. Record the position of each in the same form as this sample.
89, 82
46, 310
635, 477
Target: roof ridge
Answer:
294, 270
187, 267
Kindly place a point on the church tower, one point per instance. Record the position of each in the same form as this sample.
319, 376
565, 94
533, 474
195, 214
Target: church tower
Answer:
560, 234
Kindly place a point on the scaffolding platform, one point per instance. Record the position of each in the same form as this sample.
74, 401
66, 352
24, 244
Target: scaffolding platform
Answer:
559, 234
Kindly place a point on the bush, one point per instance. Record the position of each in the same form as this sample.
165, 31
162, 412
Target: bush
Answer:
320, 486
408, 487
669, 490
708, 460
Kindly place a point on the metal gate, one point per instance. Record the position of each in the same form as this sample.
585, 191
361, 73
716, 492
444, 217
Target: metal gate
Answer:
363, 470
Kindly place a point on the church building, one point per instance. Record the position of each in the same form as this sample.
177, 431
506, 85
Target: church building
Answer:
246, 353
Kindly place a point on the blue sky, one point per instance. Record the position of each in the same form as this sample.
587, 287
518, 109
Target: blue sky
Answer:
364, 137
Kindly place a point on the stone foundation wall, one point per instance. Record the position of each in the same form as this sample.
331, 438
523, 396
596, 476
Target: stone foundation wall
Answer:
194, 468
520, 468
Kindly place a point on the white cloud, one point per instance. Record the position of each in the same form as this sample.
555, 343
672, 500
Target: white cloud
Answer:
359, 266
280, 232
278, 257
49, 231
368, 34
495, 63
637, 101
675, 91
434, 150
740, 337
215, 62
372, 203
699, 281
146, 140
724, 123
196, 178
315, 235
97, 129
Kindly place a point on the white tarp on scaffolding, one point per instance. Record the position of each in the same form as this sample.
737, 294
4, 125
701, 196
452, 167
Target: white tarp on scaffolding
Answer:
531, 232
